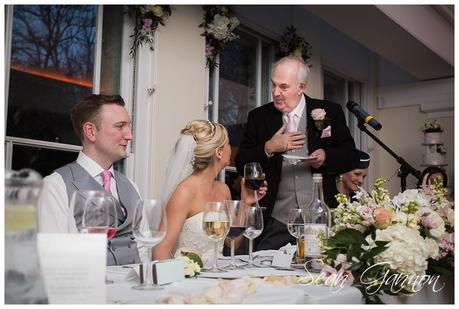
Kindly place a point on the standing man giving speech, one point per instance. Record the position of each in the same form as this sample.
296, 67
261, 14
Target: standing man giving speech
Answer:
293, 124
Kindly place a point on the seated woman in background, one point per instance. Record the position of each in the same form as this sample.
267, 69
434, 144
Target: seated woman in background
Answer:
349, 183
200, 153
430, 173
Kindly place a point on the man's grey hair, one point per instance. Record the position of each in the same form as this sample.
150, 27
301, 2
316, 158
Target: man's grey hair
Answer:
303, 68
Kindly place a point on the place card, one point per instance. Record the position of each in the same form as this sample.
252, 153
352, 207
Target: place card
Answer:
282, 259
73, 267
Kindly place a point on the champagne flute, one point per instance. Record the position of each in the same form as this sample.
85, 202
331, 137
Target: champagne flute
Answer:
254, 229
238, 222
295, 226
215, 223
253, 176
149, 228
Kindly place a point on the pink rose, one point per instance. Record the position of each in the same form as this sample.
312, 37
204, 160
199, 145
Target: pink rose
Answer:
383, 217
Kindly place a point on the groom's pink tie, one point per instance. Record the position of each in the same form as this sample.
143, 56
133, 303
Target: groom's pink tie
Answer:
106, 176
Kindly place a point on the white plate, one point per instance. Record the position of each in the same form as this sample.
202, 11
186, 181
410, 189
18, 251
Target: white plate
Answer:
290, 157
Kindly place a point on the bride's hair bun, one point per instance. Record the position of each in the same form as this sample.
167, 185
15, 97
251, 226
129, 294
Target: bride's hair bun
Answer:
208, 136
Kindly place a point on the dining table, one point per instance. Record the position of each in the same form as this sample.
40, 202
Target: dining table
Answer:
273, 285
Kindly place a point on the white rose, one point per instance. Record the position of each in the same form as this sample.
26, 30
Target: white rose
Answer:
318, 114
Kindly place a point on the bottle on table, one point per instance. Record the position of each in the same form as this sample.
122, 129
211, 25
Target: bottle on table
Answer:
317, 218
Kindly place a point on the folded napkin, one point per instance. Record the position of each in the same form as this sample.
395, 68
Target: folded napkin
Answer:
288, 248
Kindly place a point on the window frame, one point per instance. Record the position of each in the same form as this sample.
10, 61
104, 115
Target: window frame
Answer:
213, 104
126, 86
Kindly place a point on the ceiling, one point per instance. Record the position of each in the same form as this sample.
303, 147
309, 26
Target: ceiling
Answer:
417, 38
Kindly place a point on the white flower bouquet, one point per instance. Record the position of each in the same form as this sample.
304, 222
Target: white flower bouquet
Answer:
395, 246
219, 25
192, 260
432, 127
147, 19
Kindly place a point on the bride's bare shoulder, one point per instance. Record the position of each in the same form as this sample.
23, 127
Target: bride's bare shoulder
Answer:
187, 187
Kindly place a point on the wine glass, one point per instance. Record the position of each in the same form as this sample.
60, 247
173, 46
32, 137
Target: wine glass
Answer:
295, 226
149, 228
238, 222
254, 229
99, 215
216, 224
253, 176
93, 211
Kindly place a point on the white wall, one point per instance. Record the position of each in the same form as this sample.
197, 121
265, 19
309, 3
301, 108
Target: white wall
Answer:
402, 133
181, 83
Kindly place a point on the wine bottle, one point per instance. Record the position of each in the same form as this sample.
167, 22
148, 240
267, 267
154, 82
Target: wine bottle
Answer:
317, 220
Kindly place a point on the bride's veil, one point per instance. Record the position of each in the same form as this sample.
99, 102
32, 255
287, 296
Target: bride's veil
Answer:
180, 165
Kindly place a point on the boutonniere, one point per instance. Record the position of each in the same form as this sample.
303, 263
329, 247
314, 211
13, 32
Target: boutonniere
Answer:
320, 119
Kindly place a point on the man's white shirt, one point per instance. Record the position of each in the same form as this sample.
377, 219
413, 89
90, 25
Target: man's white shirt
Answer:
53, 204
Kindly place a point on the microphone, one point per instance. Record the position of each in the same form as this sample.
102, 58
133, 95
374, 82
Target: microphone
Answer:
363, 115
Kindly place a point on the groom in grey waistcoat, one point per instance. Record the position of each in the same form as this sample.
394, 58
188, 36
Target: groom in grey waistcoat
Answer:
293, 125
103, 126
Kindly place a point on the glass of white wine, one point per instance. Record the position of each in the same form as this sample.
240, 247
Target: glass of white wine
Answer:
295, 226
215, 224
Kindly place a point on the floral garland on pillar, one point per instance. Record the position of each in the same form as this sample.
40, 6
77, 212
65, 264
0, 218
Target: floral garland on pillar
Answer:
219, 24
291, 44
147, 19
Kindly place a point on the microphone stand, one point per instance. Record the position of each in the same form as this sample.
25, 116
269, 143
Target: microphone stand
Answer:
405, 168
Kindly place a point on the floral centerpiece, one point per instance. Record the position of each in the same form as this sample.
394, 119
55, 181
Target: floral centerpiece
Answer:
395, 246
291, 44
219, 24
432, 127
147, 19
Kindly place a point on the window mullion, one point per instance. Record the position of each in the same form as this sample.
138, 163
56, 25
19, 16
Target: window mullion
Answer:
258, 73
8, 37
42, 144
98, 49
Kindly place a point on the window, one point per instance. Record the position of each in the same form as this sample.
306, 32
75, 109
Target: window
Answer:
52, 65
243, 79
341, 90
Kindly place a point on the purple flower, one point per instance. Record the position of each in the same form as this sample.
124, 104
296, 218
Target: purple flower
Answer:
147, 24
209, 50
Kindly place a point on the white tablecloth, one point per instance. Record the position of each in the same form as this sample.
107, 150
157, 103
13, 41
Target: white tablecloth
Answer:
121, 292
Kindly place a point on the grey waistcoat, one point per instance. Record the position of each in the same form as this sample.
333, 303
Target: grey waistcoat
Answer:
122, 249
295, 187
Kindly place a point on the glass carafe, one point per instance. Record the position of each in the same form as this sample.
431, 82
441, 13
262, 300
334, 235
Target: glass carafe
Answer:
23, 279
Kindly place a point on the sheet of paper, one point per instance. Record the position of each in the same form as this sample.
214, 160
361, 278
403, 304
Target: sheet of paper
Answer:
73, 267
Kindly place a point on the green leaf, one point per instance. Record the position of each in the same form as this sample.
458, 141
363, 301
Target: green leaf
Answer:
348, 236
373, 252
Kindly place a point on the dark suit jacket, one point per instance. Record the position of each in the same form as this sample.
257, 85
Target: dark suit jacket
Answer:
265, 120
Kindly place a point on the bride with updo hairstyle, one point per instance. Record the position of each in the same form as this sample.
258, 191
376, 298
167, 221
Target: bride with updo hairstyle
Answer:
199, 155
